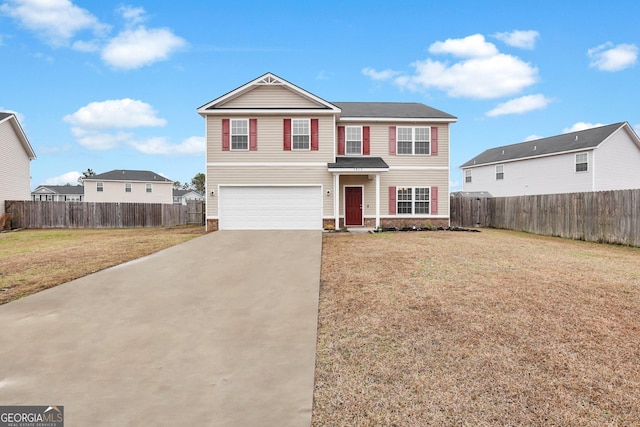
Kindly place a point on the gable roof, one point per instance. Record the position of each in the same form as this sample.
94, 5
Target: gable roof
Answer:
11, 118
391, 110
265, 79
573, 141
61, 189
181, 193
128, 175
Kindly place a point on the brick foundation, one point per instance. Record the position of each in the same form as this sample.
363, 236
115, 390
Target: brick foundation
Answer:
212, 225
414, 222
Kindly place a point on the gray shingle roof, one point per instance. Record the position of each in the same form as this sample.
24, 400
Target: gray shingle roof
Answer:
359, 162
4, 115
572, 141
129, 175
64, 189
391, 110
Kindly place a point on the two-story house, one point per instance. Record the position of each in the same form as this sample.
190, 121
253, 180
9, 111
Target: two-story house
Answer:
280, 157
15, 161
130, 186
597, 159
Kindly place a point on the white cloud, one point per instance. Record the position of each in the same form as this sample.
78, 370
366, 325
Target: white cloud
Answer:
139, 47
99, 140
134, 15
608, 57
55, 21
520, 39
481, 73
473, 46
379, 75
581, 126
64, 179
532, 137
159, 145
520, 105
116, 113
86, 46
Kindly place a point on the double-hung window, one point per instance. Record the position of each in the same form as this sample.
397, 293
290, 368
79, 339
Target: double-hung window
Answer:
353, 140
413, 200
300, 134
413, 140
149, 188
467, 176
99, 187
499, 172
582, 162
239, 134
127, 187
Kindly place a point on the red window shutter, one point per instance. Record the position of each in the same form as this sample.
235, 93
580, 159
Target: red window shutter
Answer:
253, 134
392, 200
434, 141
392, 140
225, 134
287, 134
365, 140
341, 140
434, 200
314, 134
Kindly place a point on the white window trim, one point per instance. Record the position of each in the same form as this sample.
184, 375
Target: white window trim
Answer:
413, 140
413, 201
346, 141
148, 188
100, 187
467, 176
501, 171
577, 163
231, 134
309, 135
129, 186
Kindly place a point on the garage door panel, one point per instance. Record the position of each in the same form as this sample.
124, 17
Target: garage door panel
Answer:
270, 208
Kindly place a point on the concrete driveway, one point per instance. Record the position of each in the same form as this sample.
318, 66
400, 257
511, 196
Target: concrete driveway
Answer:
218, 331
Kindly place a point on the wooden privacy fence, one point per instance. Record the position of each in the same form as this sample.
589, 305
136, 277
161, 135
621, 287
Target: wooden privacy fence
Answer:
603, 216
41, 214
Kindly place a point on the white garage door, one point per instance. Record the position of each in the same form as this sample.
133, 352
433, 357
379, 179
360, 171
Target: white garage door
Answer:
270, 208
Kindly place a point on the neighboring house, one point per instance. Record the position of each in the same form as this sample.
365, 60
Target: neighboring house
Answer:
597, 159
15, 161
128, 186
180, 197
58, 193
279, 157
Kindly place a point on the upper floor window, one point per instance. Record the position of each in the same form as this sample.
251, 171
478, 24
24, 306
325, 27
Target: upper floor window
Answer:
582, 162
300, 134
413, 200
467, 176
413, 140
499, 171
149, 188
239, 134
127, 187
353, 140
99, 187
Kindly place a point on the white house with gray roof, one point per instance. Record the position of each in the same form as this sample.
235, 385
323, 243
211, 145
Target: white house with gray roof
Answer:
15, 160
133, 186
58, 193
280, 157
597, 159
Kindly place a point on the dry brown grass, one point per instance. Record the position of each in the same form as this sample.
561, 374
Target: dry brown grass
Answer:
33, 260
480, 329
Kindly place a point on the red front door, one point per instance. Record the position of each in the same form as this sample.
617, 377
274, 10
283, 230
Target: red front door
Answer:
353, 206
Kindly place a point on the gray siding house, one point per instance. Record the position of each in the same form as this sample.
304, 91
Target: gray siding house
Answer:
597, 159
15, 161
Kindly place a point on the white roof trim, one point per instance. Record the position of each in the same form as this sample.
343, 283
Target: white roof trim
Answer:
266, 111
267, 79
21, 135
396, 119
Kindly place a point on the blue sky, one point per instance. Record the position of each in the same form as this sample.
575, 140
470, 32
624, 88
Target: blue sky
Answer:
115, 85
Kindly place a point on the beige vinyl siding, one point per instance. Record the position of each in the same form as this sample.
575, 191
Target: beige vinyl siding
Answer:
268, 175
270, 96
412, 178
270, 142
114, 192
15, 178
